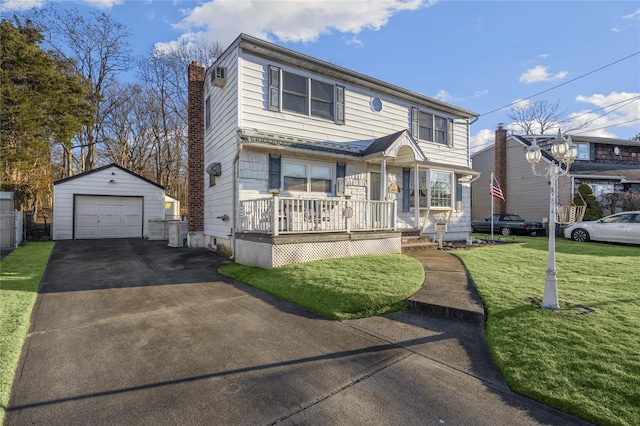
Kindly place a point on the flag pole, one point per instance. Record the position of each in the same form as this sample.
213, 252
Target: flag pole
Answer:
492, 197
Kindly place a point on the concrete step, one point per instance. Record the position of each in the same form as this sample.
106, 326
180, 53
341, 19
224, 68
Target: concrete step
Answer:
416, 243
445, 311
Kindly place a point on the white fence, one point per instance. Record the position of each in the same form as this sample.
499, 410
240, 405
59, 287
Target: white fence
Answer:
284, 215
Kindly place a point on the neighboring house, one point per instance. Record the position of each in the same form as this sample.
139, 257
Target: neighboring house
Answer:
605, 164
171, 208
107, 202
294, 159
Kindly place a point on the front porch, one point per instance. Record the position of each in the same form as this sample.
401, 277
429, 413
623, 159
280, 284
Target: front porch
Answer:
277, 215
277, 231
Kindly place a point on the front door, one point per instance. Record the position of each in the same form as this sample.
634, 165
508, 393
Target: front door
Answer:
374, 186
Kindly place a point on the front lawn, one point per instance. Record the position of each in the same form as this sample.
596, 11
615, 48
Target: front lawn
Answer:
20, 275
347, 288
584, 364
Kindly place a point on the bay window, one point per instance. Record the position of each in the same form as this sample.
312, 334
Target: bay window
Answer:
435, 189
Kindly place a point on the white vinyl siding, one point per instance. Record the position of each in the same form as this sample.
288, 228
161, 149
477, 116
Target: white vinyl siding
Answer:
360, 122
526, 195
98, 183
220, 146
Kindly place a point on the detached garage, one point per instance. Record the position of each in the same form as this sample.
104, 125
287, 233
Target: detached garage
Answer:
108, 202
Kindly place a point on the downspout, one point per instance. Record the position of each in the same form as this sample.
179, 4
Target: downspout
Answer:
469, 123
235, 197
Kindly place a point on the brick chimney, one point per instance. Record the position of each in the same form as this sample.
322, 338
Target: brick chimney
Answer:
195, 151
500, 166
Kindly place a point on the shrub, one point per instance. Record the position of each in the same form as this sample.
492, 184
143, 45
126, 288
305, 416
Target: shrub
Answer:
594, 210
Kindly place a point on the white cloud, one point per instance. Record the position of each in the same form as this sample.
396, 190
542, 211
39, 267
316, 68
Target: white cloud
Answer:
521, 103
540, 73
632, 15
608, 113
8, 5
104, 4
290, 21
445, 96
481, 140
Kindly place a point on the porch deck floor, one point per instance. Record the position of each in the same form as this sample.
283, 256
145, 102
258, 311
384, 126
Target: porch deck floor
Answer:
446, 290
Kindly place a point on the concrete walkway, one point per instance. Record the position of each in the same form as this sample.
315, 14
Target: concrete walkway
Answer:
446, 291
133, 332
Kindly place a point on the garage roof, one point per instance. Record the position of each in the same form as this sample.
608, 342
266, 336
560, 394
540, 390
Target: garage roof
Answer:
104, 168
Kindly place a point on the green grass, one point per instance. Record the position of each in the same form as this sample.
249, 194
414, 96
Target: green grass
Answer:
587, 365
347, 288
20, 275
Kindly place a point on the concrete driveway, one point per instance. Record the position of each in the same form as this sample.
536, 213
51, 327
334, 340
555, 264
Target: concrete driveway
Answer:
135, 332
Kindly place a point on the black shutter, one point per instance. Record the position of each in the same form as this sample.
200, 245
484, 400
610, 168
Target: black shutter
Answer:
274, 88
274, 172
414, 123
406, 190
339, 105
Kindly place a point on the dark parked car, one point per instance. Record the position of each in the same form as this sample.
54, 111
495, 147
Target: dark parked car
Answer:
507, 224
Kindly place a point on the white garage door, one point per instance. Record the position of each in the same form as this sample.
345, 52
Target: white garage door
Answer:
107, 217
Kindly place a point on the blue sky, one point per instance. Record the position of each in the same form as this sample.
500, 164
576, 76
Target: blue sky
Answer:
478, 55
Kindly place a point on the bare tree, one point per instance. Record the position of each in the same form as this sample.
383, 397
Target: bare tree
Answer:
539, 117
124, 131
164, 80
98, 48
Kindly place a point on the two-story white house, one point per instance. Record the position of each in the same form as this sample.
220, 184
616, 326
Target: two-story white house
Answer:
294, 159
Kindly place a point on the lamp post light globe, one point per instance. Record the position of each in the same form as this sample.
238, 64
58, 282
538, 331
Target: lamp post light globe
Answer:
564, 152
533, 154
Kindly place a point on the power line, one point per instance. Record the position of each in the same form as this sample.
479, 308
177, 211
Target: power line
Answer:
629, 100
606, 127
561, 84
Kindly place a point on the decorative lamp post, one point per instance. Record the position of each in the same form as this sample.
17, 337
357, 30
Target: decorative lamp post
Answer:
564, 152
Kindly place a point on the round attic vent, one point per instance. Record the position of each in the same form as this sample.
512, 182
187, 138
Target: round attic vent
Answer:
376, 104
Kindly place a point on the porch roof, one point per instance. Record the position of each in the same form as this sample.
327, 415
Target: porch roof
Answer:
383, 147
390, 145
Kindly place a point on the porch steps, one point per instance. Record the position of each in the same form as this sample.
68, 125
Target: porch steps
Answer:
414, 242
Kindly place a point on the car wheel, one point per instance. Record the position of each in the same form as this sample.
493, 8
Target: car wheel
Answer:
473, 229
580, 235
505, 230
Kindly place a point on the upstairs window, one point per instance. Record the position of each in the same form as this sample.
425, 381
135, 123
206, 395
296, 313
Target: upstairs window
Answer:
430, 127
583, 151
305, 96
295, 93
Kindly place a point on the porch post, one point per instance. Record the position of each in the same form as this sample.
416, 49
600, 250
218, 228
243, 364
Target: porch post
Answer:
383, 179
416, 195
275, 208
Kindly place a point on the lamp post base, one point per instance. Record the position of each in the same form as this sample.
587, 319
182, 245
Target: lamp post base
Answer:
550, 298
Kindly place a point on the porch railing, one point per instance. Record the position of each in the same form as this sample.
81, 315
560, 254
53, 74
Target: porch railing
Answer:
285, 215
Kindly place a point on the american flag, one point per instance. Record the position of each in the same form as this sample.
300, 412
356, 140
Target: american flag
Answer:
495, 190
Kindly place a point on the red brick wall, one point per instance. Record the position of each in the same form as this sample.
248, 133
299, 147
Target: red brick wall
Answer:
500, 165
196, 147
